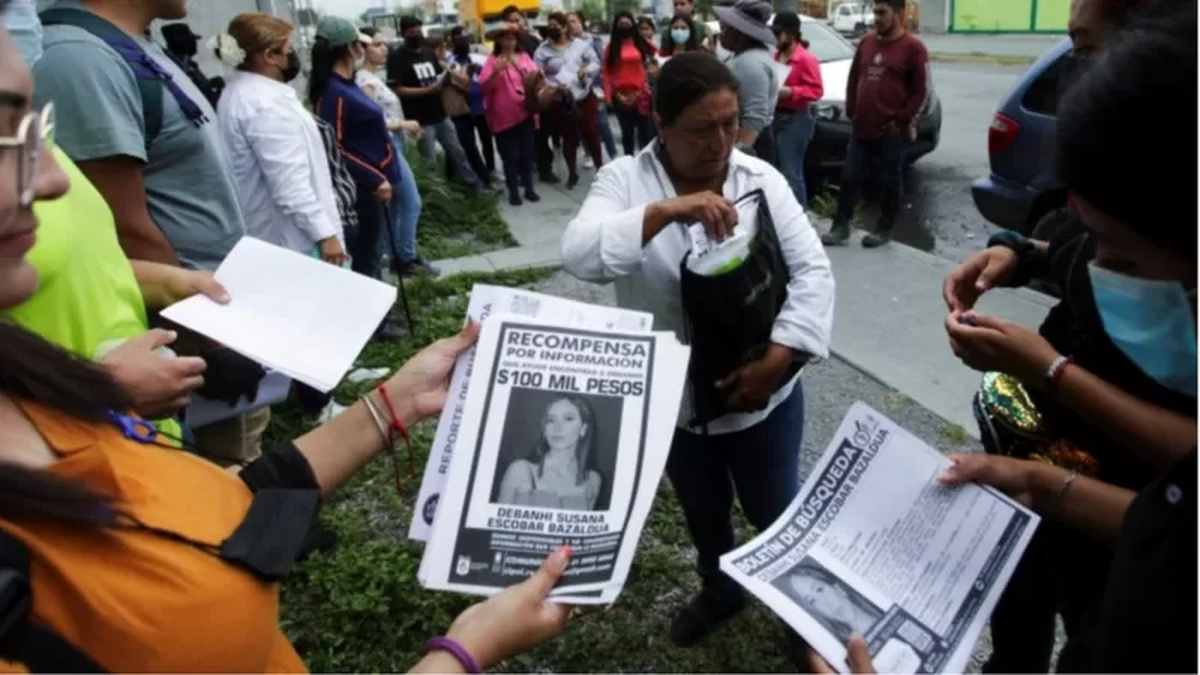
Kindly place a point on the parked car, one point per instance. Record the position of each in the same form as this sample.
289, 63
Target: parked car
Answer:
827, 150
853, 18
1022, 192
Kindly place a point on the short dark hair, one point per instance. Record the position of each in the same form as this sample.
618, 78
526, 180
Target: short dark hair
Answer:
897, 5
369, 31
687, 78
409, 21
509, 10
1146, 179
558, 17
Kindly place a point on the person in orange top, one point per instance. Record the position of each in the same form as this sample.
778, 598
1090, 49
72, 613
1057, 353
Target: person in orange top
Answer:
625, 71
121, 553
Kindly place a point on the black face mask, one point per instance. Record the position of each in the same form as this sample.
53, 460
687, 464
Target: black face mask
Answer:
293, 67
462, 46
413, 41
554, 33
1073, 68
622, 33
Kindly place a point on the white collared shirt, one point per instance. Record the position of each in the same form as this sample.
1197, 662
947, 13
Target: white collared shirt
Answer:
279, 164
604, 243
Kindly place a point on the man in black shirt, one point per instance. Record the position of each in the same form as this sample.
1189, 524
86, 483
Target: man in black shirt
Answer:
417, 77
182, 45
529, 44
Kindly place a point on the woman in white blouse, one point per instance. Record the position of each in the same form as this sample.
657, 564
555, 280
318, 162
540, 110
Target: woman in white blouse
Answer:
279, 164
277, 155
632, 229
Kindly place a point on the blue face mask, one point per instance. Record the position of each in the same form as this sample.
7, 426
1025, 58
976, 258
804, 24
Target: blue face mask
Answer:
680, 35
1151, 323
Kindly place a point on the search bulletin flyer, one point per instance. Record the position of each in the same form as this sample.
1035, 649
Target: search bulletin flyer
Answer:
875, 545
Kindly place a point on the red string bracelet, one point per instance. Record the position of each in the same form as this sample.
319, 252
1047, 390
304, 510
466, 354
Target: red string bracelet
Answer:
398, 427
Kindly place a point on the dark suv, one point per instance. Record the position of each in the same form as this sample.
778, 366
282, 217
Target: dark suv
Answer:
1022, 192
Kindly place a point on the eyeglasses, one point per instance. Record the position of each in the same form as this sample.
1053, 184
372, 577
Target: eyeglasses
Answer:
30, 140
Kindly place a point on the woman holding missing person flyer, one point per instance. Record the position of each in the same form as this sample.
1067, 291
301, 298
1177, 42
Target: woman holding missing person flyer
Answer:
1143, 616
120, 552
633, 228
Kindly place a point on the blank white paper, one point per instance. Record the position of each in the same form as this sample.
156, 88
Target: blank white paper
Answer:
290, 312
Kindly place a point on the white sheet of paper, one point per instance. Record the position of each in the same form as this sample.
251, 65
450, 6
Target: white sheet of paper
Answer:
290, 312
782, 70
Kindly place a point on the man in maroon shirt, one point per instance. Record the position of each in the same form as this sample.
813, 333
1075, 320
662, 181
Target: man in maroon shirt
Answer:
884, 95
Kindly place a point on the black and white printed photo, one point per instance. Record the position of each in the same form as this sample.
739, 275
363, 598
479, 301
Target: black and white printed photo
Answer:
833, 603
558, 450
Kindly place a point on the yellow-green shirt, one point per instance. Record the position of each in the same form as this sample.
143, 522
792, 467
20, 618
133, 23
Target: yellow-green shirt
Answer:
87, 294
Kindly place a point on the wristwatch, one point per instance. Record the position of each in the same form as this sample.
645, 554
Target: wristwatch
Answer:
1028, 255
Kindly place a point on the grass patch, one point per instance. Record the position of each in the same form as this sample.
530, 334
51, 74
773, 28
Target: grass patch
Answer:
455, 222
360, 608
981, 57
824, 203
955, 434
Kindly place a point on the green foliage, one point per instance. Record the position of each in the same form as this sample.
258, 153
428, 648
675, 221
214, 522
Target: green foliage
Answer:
360, 608
455, 222
592, 10
634, 7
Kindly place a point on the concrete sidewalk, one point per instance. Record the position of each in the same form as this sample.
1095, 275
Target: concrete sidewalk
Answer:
889, 317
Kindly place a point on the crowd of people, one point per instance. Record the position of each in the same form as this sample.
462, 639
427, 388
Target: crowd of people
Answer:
123, 186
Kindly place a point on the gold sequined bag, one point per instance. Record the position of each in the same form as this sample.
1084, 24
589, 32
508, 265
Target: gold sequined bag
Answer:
1010, 424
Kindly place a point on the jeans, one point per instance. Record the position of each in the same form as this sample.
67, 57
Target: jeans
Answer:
606, 133
888, 152
764, 147
793, 131
636, 129
443, 133
761, 465
466, 126
543, 148
364, 241
517, 152
570, 126
398, 234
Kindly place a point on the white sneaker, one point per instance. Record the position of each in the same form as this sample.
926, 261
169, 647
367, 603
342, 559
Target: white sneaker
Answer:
367, 374
587, 163
331, 410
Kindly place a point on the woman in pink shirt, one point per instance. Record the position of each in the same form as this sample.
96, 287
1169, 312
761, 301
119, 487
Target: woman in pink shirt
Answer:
503, 79
794, 122
623, 70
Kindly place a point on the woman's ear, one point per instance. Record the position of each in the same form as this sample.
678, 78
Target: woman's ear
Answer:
583, 429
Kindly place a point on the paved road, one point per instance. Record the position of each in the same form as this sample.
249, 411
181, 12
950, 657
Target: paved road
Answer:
996, 45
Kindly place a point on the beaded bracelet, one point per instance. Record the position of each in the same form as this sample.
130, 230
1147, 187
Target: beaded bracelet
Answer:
454, 649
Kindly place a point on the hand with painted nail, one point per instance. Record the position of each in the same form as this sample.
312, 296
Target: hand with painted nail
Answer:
516, 619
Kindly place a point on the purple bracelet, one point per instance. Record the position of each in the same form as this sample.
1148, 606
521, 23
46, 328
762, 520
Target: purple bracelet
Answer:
454, 649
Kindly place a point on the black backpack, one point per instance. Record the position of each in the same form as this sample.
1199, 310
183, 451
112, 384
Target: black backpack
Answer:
729, 317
